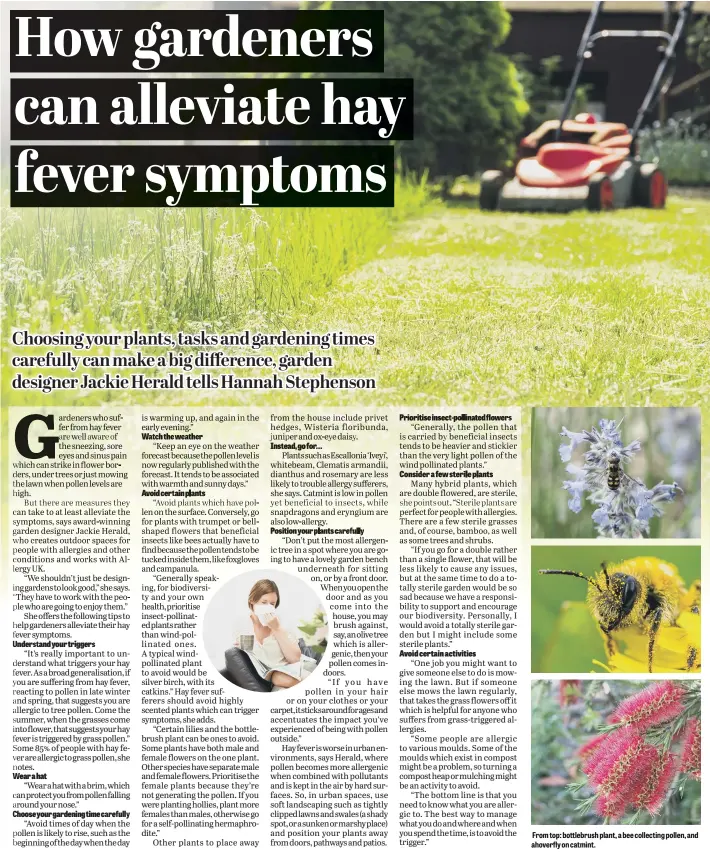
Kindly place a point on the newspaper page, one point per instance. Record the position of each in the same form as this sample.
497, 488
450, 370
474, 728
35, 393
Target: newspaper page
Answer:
354, 367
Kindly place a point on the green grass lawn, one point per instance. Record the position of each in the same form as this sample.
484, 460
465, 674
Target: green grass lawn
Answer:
470, 307
505, 308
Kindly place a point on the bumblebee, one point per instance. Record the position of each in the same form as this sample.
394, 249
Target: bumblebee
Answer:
646, 593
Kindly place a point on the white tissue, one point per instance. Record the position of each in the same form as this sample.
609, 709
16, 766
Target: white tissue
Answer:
264, 612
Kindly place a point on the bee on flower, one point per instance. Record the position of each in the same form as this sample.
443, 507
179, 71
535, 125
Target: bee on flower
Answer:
625, 506
617, 472
647, 617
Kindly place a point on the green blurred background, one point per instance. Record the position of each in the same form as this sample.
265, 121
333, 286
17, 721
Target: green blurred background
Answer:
565, 637
670, 438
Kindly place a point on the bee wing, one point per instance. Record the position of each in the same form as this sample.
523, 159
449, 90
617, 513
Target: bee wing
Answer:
629, 478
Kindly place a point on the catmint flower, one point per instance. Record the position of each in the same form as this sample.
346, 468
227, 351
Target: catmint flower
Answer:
575, 440
657, 703
624, 505
576, 490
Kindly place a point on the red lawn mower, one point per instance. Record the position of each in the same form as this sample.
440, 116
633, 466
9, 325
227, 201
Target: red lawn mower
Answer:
568, 164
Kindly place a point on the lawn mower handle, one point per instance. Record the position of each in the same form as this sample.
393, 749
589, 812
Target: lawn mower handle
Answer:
589, 37
581, 56
660, 82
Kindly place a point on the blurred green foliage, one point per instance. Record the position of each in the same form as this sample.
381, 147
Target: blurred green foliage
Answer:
542, 94
310, 630
564, 635
698, 41
469, 105
550, 748
682, 148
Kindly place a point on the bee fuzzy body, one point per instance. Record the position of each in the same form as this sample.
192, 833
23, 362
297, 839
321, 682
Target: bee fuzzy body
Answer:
657, 587
643, 592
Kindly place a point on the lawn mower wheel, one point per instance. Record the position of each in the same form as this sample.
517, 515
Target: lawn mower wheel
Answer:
491, 182
650, 186
601, 193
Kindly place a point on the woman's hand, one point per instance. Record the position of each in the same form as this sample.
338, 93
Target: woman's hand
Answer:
273, 622
289, 647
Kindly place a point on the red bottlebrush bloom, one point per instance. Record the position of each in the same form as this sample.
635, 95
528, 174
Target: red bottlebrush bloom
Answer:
619, 770
657, 703
602, 762
569, 691
656, 786
587, 750
609, 807
592, 761
594, 754
690, 751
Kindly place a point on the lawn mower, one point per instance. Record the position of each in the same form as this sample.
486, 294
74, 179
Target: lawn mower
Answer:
582, 163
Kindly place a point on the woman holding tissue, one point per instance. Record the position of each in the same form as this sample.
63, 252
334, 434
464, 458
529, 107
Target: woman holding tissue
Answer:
276, 655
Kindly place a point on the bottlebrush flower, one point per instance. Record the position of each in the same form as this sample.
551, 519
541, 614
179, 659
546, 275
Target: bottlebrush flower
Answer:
630, 766
619, 761
600, 759
657, 703
622, 512
621, 775
627, 771
609, 807
659, 780
590, 748
604, 754
690, 751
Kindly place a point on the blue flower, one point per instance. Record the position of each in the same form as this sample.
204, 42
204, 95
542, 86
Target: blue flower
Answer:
576, 490
575, 439
646, 511
601, 516
627, 509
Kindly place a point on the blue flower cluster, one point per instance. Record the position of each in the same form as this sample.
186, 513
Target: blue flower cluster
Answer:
627, 509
